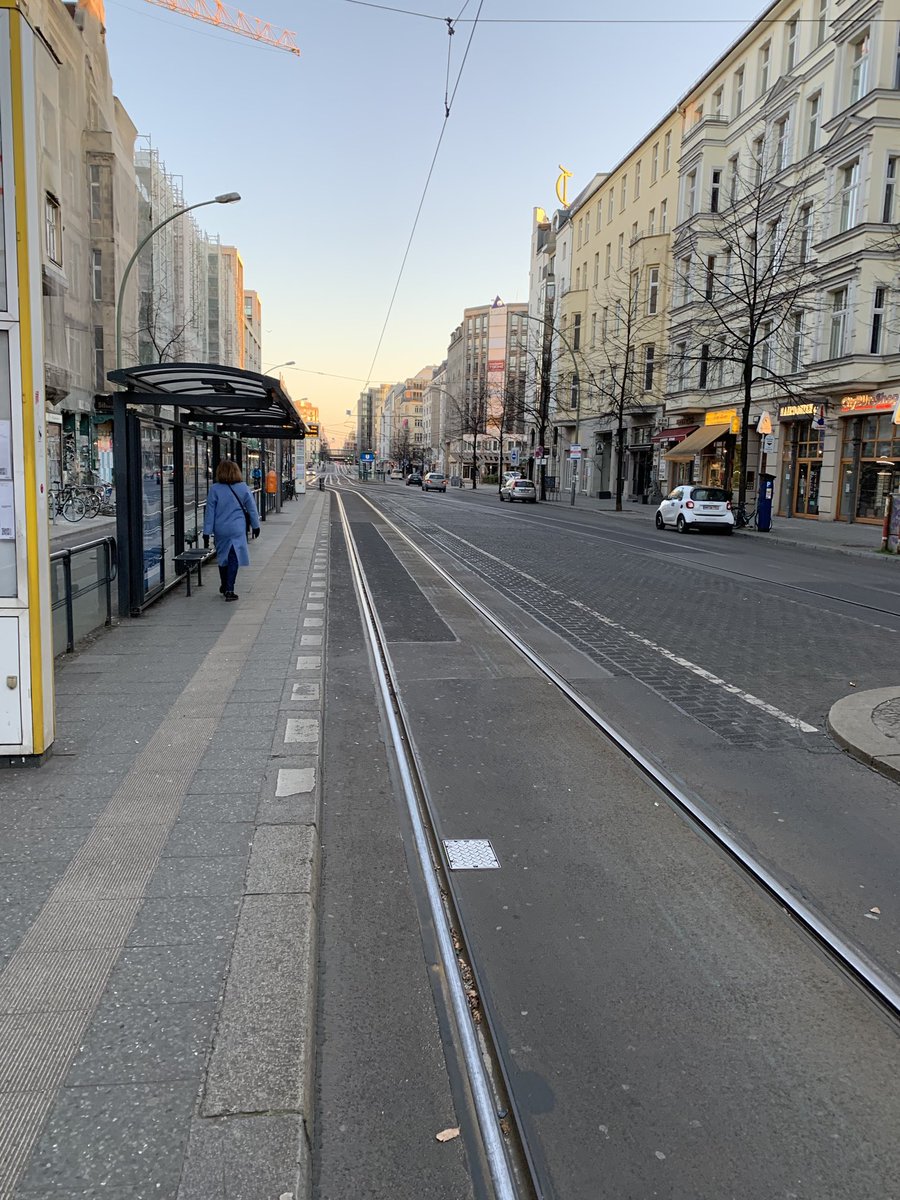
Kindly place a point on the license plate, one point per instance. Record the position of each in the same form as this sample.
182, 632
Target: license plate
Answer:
710, 507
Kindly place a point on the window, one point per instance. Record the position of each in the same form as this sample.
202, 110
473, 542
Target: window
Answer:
684, 275
53, 229
765, 61
618, 316
635, 293
792, 31
649, 356
821, 22
890, 177
733, 178
813, 116
634, 232
623, 193
739, 91
849, 190
637, 179
96, 275
704, 366
806, 232
797, 341
680, 364
573, 392
99, 364
599, 214
604, 324
897, 65
576, 331
652, 291
578, 279
654, 162
620, 251
96, 197
698, 114
765, 348
782, 143
714, 191
593, 330
759, 150
608, 262
667, 152
717, 102
596, 268
877, 321
580, 233
609, 206
710, 288
651, 222
663, 216
690, 193
587, 226
726, 274
859, 69
839, 315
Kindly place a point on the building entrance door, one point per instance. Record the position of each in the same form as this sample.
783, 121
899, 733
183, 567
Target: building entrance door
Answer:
806, 489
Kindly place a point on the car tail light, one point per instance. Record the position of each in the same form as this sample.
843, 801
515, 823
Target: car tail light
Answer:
728, 505
690, 504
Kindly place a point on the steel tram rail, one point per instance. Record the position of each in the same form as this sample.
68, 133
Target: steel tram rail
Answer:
842, 953
512, 1180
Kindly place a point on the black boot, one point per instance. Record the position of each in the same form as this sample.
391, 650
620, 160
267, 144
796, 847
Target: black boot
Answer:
223, 575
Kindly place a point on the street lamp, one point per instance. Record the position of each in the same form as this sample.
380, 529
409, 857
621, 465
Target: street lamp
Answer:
268, 370
225, 198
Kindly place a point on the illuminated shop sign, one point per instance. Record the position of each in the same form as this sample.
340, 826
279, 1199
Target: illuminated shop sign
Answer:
724, 416
790, 412
870, 402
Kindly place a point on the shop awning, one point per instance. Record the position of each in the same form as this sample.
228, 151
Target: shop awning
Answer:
699, 440
675, 433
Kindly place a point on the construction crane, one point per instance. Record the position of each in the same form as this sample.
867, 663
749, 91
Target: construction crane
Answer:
232, 19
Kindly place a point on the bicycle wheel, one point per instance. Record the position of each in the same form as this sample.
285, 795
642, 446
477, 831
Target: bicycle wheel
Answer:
73, 508
91, 504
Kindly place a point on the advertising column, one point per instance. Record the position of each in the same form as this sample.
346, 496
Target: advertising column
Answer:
26, 650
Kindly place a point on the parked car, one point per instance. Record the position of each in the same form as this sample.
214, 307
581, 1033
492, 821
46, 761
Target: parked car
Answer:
434, 481
395, 474
694, 507
414, 478
507, 475
518, 489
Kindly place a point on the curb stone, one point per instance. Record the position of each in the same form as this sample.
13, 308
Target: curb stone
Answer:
851, 722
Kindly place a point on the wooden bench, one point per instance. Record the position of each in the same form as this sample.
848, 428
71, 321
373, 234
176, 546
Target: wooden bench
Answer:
190, 559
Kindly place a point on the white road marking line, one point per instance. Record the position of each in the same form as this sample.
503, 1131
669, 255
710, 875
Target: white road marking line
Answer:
294, 781
669, 655
302, 729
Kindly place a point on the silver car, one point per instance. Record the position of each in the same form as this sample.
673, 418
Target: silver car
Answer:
519, 489
434, 481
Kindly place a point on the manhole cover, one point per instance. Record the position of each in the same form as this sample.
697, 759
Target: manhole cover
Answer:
886, 718
470, 854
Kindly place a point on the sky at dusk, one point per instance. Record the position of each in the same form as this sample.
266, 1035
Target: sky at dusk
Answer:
330, 152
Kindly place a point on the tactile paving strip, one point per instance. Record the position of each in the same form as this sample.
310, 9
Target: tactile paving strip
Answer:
470, 854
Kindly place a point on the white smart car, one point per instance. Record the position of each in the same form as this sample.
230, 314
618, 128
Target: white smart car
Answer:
691, 506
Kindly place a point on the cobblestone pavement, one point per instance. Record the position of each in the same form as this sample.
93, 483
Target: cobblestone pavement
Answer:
741, 656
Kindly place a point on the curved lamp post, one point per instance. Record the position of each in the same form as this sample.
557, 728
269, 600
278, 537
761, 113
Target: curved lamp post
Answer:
225, 198
268, 370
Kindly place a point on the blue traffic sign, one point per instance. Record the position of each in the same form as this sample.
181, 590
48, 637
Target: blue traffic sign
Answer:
367, 456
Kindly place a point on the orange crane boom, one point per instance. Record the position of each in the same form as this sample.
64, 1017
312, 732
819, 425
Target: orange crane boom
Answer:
216, 13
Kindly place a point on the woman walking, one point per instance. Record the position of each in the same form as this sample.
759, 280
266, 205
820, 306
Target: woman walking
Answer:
230, 516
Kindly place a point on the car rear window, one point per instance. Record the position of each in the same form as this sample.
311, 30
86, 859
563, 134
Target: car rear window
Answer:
718, 494
524, 483
435, 478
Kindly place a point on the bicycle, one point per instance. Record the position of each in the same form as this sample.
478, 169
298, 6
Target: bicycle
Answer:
744, 517
67, 503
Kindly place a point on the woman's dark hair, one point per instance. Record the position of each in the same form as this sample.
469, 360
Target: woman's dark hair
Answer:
228, 472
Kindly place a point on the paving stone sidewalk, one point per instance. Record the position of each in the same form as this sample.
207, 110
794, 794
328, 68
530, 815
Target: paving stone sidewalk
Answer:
158, 882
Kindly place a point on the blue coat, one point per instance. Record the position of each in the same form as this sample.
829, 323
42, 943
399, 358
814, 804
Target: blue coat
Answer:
226, 522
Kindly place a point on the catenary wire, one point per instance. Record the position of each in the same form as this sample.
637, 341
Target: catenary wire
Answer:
408, 12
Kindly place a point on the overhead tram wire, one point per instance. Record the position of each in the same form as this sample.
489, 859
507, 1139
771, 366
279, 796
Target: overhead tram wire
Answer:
408, 12
448, 104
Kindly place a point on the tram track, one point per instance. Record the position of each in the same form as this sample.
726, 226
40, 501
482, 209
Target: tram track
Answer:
840, 951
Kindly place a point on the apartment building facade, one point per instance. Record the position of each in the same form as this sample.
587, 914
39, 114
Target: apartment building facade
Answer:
485, 376
791, 145
252, 331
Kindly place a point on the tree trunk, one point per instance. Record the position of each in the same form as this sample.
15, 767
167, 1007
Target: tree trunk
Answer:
475, 460
745, 431
620, 461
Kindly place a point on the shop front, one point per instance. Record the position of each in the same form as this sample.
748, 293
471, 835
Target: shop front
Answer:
801, 460
706, 456
870, 455
640, 454
671, 473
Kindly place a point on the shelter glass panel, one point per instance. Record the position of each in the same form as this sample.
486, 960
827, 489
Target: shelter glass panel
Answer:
8, 581
152, 507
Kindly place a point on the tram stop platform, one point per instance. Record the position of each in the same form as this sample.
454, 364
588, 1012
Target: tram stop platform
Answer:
867, 725
157, 928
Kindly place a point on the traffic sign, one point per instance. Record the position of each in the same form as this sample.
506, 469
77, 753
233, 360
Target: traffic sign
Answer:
513, 458
539, 452
367, 456
312, 428
574, 451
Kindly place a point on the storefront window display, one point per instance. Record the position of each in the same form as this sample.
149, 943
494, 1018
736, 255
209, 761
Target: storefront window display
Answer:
870, 466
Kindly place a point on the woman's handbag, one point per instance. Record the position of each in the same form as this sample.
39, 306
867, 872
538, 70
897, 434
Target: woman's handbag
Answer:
241, 503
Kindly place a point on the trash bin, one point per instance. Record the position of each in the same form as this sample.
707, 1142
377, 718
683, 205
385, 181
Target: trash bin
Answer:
764, 505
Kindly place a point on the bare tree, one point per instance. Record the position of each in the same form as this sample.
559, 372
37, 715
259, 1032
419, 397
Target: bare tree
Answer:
158, 337
470, 416
746, 271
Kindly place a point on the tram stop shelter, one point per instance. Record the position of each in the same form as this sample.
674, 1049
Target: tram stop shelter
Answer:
172, 425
